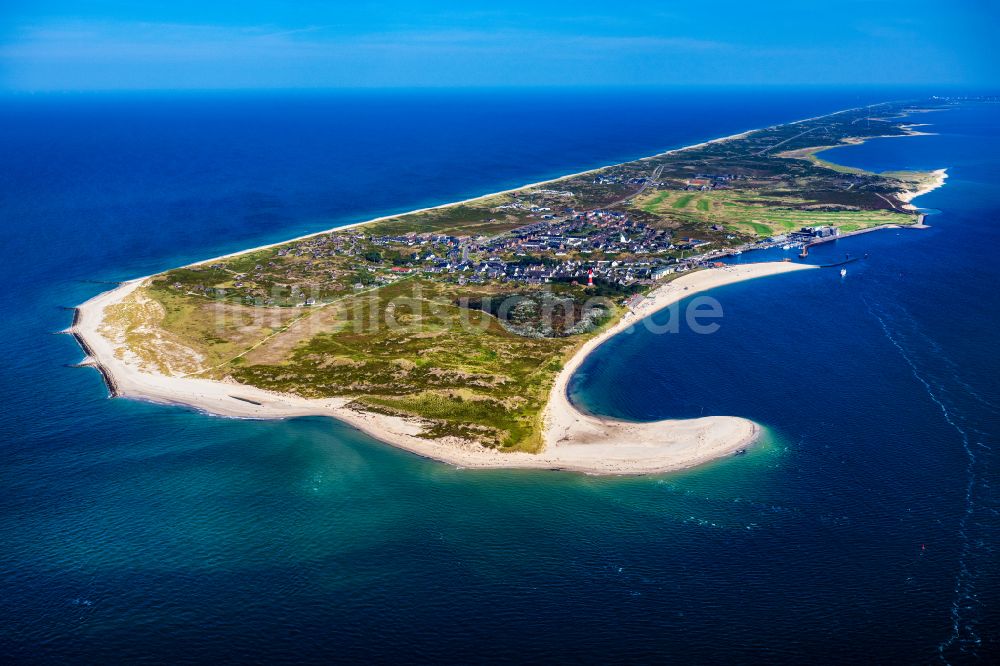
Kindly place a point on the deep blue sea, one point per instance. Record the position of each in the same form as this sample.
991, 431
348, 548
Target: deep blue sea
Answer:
864, 527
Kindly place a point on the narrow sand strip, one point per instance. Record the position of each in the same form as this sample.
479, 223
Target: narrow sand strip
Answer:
939, 176
572, 440
550, 181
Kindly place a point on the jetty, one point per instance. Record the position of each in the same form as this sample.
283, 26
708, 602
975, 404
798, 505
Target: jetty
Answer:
91, 358
848, 260
247, 400
827, 239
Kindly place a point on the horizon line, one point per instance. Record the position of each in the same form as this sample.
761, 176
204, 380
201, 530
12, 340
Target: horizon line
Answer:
944, 89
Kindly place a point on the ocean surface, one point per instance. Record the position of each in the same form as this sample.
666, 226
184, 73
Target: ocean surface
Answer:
864, 527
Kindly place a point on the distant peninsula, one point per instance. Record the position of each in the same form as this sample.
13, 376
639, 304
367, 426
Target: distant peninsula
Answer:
453, 331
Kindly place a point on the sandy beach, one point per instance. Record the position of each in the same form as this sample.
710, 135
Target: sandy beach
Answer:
939, 176
479, 197
551, 181
572, 440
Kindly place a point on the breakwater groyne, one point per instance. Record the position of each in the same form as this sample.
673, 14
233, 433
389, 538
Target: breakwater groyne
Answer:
91, 359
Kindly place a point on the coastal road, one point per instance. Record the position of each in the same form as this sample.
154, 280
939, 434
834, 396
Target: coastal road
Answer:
791, 138
895, 207
652, 178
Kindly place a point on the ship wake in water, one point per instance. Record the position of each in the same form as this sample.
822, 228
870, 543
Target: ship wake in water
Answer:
963, 637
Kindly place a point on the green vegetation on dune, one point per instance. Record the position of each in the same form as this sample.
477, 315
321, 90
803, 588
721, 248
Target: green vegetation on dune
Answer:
811, 155
764, 214
761, 229
682, 201
652, 204
455, 367
461, 316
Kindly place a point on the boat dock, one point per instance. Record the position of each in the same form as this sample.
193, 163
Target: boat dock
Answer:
819, 241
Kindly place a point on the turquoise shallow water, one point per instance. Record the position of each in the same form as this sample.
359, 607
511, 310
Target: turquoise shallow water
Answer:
862, 527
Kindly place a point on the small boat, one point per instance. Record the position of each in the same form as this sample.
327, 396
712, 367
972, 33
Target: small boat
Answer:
843, 272
786, 246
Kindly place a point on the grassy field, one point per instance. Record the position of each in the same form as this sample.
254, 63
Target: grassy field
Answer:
912, 179
329, 316
682, 201
217, 329
407, 349
651, 203
755, 214
810, 155
457, 368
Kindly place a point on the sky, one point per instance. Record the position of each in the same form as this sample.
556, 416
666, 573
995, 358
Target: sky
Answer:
82, 45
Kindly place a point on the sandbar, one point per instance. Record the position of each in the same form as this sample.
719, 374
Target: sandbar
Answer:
572, 439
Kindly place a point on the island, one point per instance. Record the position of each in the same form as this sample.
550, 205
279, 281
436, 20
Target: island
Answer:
453, 331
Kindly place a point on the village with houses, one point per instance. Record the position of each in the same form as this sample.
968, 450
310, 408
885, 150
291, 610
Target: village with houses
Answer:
601, 247
615, 231
488, 296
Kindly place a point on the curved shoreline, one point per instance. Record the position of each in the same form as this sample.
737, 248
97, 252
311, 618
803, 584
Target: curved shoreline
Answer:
671, 151
572, 439
658, 446
938, 179
550, 181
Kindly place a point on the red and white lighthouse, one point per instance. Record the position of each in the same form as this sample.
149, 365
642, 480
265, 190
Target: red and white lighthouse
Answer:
590, 277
